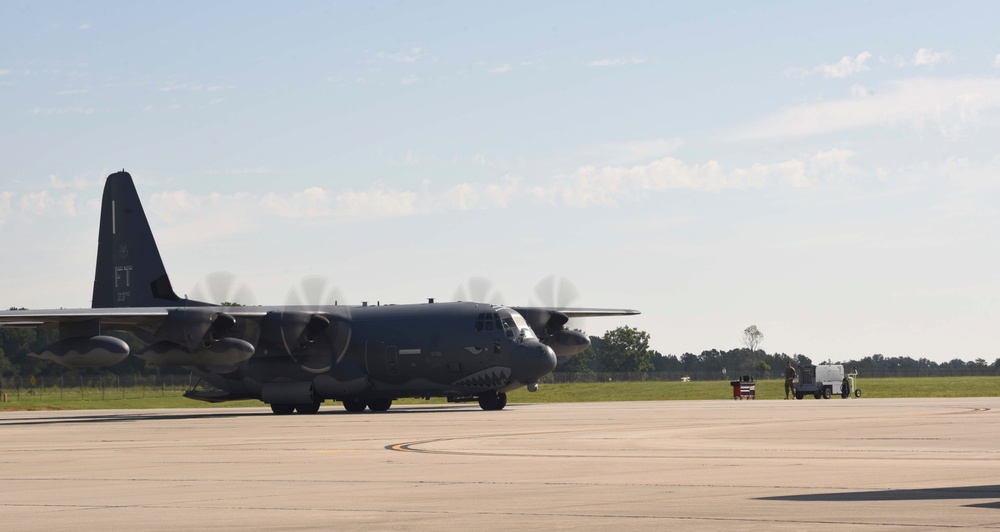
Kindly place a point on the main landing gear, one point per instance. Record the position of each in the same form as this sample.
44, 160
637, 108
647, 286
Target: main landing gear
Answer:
356, 405
493, 400
284, 409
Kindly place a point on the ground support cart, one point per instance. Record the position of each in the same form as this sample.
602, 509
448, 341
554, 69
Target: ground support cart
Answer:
745, 388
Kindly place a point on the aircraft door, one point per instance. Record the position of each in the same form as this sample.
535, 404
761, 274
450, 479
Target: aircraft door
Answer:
392, 359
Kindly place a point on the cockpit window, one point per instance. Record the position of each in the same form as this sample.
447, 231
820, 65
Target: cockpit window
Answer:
514, 324
488, 322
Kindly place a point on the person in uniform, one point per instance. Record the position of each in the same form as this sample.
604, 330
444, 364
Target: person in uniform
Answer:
789, 379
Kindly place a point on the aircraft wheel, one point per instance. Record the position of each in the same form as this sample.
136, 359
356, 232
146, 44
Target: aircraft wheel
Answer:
355, 405
379, 405
827, 393
282, 409
307, 408
492, 400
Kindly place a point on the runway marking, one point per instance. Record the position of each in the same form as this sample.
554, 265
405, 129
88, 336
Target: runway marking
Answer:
680, 453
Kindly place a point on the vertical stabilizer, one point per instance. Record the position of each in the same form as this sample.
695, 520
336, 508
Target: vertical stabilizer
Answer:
129, 272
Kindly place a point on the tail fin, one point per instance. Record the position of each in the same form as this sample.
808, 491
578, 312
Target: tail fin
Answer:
129, 272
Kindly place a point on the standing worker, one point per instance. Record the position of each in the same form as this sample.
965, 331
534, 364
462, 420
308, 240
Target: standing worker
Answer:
789, 378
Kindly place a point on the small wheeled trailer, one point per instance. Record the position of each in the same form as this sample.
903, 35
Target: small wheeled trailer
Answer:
745, 388
852, 384
825, 380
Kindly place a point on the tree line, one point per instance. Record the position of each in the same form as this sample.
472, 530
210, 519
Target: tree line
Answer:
624, 350
627, 350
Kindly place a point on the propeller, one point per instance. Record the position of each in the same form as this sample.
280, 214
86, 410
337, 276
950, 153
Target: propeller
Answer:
556, 291
222, 287
477, 290
554, 328
313, 328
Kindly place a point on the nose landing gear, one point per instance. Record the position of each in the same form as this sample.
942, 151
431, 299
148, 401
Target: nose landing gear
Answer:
492, 400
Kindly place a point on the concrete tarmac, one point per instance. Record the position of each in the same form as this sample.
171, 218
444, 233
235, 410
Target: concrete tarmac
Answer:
833, 464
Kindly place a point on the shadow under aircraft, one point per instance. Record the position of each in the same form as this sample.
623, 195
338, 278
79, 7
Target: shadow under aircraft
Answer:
295, 357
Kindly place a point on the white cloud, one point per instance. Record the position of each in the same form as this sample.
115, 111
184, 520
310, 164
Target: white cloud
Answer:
84, 26
468, 196
996, 61
376, 203
926, 56
172, 86
860, 91
606, 186
312, 202
501, 69
642, 150
409, 55
947, 104
4, 71
847, 66
410, 80
77, 183
620, 61
49, 111
72, 91
167, 205
5, 204
835, 157
43, 203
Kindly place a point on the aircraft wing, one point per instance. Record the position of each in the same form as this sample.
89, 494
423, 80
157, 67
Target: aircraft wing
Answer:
595, 312
579, 312
110, 317
52, 318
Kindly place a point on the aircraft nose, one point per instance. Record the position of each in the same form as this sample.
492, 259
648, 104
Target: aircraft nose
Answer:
537, 360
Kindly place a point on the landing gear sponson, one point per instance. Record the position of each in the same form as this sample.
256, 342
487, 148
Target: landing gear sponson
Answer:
492, 400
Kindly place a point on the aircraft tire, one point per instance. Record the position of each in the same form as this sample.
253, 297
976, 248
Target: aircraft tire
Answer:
282, 409
307, 408
355, 405
492, 400
379, 405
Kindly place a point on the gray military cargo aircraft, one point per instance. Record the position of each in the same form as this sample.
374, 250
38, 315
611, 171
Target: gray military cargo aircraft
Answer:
295, 358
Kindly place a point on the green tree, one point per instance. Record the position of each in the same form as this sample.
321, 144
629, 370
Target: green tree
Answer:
626, 349
752, 337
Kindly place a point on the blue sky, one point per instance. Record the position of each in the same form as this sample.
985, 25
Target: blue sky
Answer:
829, 173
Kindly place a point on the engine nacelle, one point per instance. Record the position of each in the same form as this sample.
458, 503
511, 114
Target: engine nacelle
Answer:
194, 328
292, 330
97, 351
223, 353
568, 342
